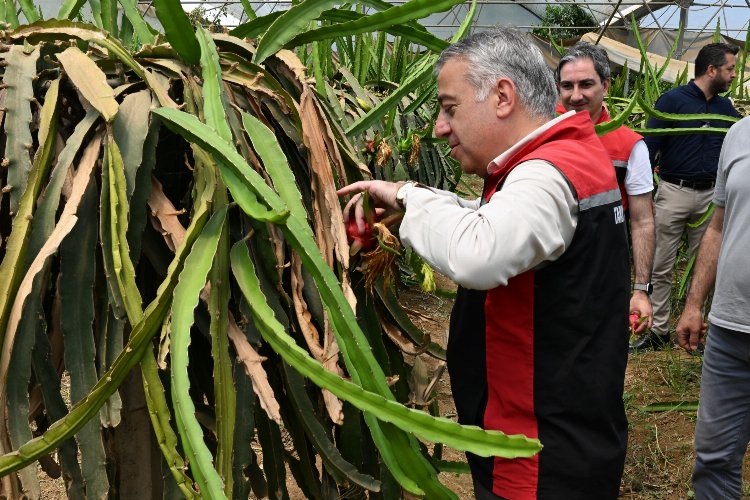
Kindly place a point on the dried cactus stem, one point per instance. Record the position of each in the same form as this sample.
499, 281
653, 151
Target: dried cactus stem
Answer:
380, 262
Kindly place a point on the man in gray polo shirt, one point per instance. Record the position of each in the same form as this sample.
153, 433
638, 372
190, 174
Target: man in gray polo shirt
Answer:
722, 432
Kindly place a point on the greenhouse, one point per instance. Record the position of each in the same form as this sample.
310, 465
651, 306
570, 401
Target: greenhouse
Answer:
409, 249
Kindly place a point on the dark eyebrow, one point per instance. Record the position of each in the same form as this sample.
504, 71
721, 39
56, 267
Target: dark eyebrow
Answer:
442, 98
587, 80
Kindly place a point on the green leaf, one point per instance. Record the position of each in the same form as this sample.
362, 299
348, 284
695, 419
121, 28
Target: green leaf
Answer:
276, 165
218, 306
414, 9
465, 26
401, 450
140, 338
672, 406
130, 129
186, 296
418, 36
11, 16
13, 265
248, 8
418, 76
334, 463
19, 74
29, 11
437, 429
55, 29
188, 126
617, 122
124, 271
78, 269
269, 436
452, 467
679, 131
138, 141
243, 434
659, 115
109, 18
389, 300
56, 408
178, 30
213, 107
288, 25
160, 416
256, 26
146, 34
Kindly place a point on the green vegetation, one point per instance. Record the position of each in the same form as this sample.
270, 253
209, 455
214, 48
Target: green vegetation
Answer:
169, 214
564, 21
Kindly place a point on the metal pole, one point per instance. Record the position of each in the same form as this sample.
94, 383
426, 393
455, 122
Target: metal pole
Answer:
606, 25
683, 23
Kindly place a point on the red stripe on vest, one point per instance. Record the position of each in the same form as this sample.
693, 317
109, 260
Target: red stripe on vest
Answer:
510, 381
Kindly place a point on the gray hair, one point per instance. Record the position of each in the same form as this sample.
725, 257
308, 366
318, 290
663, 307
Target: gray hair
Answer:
586, 50
506, 53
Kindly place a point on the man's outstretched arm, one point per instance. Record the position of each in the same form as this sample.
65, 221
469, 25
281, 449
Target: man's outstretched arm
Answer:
691, 329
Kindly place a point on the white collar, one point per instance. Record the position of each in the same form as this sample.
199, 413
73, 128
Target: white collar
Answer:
498, 162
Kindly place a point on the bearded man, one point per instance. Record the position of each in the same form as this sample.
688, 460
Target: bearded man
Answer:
687, 166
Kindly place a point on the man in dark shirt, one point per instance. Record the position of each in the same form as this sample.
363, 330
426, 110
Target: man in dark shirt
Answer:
687, 165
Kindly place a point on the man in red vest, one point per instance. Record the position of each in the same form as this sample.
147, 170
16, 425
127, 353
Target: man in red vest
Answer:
536, 342
583, 79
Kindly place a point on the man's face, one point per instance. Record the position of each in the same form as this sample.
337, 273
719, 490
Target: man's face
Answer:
471, 127
723, 75
581, 88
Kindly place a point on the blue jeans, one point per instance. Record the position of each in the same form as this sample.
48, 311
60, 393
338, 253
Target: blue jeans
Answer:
723, 429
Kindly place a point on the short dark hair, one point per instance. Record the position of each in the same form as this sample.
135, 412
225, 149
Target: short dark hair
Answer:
713, 54
586, 50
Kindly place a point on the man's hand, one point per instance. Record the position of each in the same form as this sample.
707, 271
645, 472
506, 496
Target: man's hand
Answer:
382, 195
640, 303
691, 329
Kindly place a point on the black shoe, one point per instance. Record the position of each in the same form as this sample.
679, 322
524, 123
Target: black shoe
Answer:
650, 342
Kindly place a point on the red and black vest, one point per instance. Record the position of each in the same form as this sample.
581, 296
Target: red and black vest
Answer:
619, 144
545, 355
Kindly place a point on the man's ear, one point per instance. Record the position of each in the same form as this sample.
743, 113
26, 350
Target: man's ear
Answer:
606, 85
506, 95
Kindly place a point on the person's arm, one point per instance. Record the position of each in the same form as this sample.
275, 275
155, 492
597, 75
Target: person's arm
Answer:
691, 329
531, 220
639, 185
642, 235
383, 198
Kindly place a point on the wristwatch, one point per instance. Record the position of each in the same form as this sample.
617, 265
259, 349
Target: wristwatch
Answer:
401, 193
644, 287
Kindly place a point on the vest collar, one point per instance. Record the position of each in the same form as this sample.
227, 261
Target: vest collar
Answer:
571, 125
604, 117
499, 162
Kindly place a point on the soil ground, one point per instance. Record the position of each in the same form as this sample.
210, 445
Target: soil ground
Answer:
660, 447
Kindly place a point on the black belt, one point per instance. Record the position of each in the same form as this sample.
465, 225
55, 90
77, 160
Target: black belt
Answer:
699, 185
